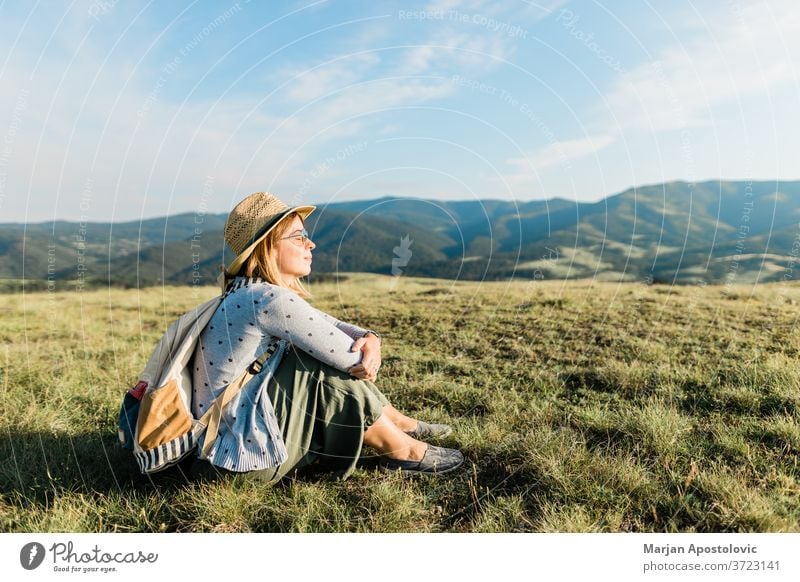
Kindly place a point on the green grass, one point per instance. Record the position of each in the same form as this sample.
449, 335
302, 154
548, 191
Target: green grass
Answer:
582, 407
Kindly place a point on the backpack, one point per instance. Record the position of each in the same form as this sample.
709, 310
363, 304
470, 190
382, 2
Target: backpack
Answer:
155, 419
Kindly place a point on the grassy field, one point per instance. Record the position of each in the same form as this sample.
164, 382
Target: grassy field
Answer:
581, 407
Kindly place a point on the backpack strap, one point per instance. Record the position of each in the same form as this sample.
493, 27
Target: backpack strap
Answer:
259, 362
212, 417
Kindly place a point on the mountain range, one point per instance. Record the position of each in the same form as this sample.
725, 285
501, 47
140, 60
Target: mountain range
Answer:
677, 232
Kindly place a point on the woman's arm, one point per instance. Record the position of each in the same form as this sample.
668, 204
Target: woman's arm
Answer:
353, 331
368, 342
290, 317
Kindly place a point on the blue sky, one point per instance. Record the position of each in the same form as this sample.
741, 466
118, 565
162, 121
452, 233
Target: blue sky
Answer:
127, 110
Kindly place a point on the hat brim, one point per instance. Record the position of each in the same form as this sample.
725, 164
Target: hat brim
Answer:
237, 263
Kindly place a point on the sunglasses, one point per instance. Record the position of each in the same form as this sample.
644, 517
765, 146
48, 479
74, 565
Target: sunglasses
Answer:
300, 239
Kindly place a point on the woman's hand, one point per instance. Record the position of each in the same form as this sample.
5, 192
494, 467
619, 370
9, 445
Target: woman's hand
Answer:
370, 347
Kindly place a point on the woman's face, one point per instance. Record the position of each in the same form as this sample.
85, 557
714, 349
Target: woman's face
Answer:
292, 254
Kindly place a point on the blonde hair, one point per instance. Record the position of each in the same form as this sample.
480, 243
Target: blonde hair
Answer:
261, 262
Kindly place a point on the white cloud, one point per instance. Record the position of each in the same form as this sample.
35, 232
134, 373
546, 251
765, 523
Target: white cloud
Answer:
735, 53
444, 5
527, 11
562, 152
144, 152
472, 34
450, 51
549, 171
316, 81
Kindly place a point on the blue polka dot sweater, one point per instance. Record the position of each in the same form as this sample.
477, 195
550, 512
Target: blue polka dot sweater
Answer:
253, 314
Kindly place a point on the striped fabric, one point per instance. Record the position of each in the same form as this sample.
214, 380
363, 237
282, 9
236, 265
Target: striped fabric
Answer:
169, 453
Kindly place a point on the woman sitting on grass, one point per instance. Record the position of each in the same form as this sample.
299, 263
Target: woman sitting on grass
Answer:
314, 400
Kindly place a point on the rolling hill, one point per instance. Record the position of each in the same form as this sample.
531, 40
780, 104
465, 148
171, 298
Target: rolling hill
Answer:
712, 232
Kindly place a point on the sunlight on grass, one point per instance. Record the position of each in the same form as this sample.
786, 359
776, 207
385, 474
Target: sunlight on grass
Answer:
580, 407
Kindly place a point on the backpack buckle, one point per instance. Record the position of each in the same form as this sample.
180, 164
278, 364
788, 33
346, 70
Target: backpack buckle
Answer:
255, 367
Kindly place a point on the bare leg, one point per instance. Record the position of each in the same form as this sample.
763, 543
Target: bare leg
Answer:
400, 420
389, 440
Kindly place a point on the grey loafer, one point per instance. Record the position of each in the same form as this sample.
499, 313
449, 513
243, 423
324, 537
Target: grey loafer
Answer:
427, 430
436, 460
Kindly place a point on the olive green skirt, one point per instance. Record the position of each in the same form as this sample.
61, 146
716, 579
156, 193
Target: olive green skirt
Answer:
323, 414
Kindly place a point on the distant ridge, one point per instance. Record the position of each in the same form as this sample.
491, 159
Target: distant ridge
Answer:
710, 232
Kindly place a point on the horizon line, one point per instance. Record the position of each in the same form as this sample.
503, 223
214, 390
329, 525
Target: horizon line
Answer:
553, 198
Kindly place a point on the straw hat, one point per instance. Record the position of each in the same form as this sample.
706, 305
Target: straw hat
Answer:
253, 219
